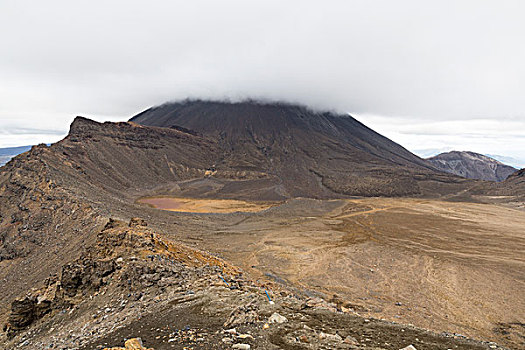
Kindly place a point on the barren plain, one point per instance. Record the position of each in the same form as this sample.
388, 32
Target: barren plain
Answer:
445, 266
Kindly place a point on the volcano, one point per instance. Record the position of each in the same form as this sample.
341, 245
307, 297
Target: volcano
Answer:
294, 151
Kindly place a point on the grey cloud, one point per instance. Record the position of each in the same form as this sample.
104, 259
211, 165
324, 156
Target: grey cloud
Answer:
30, 131
426, 60
437, 59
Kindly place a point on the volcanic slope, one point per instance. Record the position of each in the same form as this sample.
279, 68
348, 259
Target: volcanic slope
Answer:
298, 152
510, 192
517, 182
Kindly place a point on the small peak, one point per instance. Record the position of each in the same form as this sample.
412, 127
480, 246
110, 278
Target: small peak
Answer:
83, 120
81, 124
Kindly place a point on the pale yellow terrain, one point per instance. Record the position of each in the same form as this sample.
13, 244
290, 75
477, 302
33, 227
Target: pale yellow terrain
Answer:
189, 205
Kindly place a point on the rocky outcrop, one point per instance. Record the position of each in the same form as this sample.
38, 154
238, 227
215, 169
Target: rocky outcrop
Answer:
31, 307
134, 222
104, 262
23, 313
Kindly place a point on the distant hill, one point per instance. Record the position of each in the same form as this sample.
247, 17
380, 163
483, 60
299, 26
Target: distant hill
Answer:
9, 152
472, 165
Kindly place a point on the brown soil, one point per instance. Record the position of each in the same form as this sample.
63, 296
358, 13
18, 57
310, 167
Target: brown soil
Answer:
455, 267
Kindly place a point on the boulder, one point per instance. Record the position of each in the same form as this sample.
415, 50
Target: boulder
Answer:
333, 338
276, 318
131, 344
351, 340
241, 346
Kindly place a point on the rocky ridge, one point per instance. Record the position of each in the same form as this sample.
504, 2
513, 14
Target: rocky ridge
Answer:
134, 283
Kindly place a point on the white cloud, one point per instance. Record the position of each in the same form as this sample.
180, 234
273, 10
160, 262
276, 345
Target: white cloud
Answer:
497, 137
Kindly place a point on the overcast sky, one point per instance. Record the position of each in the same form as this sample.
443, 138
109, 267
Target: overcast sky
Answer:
428, 74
